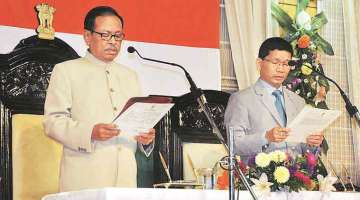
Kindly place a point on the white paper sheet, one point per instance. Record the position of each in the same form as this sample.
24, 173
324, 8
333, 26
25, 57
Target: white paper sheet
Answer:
310, 120
140, 117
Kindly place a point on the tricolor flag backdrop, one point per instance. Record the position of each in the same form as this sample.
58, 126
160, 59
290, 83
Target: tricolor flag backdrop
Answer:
179, 31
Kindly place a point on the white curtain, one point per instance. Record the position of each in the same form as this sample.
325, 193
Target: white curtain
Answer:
247, 24
352, 44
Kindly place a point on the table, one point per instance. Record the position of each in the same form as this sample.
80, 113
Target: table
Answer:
189, 194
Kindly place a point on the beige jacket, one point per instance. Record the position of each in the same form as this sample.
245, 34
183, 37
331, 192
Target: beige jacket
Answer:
82, 93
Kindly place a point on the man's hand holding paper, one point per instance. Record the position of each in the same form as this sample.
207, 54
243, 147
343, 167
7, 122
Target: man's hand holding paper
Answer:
309, 124
104, 132
280, 134
277, 134
315, 139
146, 138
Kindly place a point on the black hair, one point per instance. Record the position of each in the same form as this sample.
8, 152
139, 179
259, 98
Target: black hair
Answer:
274, 43
89, 23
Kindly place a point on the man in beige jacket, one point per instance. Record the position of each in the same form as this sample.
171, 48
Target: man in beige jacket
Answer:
83, 97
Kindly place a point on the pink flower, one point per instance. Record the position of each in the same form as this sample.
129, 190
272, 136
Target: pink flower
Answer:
311, 160
307, 180
302, 177
242, 166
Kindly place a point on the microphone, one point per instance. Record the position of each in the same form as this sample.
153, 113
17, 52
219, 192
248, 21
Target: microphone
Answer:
201, 99
197, 92
131, 49
193, 86
351, 109
296, 63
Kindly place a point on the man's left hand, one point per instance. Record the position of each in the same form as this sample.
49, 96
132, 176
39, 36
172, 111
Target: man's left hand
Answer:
315, 139
146, 138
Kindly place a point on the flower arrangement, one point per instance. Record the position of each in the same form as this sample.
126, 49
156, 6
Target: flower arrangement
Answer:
302, 33
279, 171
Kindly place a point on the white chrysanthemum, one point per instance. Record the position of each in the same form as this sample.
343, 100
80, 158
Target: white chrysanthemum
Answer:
281, 174
262, 160
303, 18
278, 156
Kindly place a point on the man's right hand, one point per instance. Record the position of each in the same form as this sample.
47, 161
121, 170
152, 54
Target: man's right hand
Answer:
277, 134
104, 131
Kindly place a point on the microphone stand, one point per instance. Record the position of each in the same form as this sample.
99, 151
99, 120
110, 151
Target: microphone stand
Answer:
201, 99
351, 109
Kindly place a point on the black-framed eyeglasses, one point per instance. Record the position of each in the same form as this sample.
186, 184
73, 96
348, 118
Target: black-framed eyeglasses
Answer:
108, 36
277, 63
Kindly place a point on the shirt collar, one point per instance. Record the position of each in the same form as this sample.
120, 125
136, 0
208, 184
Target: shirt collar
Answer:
95, 60
269, 88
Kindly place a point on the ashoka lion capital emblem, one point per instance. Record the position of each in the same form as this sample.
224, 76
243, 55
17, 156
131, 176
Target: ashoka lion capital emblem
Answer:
45, 15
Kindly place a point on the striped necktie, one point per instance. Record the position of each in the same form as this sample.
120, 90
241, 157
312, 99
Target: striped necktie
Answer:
279, 106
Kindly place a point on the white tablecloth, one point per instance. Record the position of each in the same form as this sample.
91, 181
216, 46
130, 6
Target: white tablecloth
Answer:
189, 194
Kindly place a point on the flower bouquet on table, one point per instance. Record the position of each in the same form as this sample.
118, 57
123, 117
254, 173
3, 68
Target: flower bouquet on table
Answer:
279, 171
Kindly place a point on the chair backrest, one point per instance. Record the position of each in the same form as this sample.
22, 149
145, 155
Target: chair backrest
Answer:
198, 156
28, 157
35, 158
182, 129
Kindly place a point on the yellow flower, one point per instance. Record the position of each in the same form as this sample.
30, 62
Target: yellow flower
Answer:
262, 160
306, 69
281, 174
278, 156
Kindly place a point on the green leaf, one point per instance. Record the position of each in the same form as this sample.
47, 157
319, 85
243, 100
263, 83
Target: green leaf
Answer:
292, 38
301, 5
282, 18
323, 82
324, 147
318, 21
323, 44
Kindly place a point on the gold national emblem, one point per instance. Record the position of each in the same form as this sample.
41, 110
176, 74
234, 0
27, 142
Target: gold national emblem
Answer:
45, 15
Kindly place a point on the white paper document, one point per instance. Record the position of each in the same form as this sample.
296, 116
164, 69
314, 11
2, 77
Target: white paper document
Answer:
140, 117
310, 120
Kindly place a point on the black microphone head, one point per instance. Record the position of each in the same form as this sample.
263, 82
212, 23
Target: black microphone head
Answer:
131, 49
290, 63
